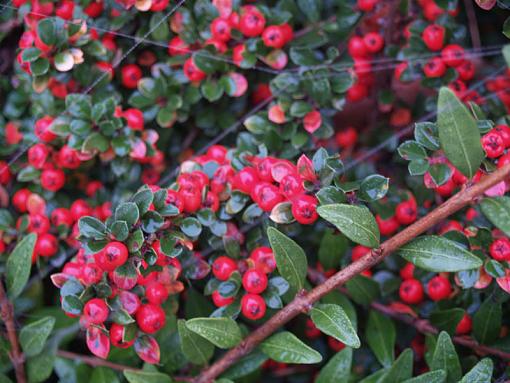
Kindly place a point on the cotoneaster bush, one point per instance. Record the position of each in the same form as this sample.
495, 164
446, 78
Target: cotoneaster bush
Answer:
177, 176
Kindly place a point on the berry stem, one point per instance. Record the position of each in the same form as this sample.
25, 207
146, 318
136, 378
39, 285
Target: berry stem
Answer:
301, 302
17, 358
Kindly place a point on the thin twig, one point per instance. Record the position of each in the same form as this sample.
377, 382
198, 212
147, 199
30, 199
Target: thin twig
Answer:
304, 300
421, 325
17, 359
473, 23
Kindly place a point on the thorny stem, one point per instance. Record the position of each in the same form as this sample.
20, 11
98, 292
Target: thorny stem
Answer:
300, 303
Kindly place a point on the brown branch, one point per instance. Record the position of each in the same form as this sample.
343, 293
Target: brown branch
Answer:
97, 362
7, 314
304, 301
421, 325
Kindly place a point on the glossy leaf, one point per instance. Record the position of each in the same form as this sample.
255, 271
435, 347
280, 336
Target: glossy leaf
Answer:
337, 369
439, 254
146, 377
401, 369
196, 349
497, 210
222, 332
355, 222
290, 259
458, 133
333, 321
445, 358
437, 376
91, 227
487, 321
480, 373
285, 347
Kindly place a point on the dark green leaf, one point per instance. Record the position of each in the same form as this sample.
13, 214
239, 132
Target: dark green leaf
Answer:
196, 349
497, 210
127, 211
487, 321
331, 250
290, 259
337, 369
437, 376
363, 290
447, 320
439, 254
333, 321
285, 347
143, 199
19, 264
480, 373
47, 30
381, 335
446, 358
458, 133
146, 377
355, 222
33, 336
222, 332
191, 227
91, 227
401, 369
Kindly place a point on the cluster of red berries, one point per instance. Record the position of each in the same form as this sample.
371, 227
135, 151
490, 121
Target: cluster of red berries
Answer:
432, 11
361, 49
255, 269
34, 219
406, 212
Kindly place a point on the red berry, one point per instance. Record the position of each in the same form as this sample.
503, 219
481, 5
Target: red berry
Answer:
357, 47
150, 318
267, 196
387, 226
192, 72
177, 47
116, 254
311, 331
159, 5
156, 293
130, 75
219, 300
406, 212
500, 249
52, 179
273, 37
95, 311
453, 55
304, 209
411, 291
464, 326
493, 144
407, 272
357, 92
253, 306
42, 129
466, 70
245, 180
346, 138
434, 68
252, 22
20, 198
220, 29
80, 208
254, 281
94, 9
433, 37
439, 288
335, 344
117, 336
263, 258
223, 267
46, 245
374, 42
91, 274
38, 223
134, 118
291, 185
504, 132
367, 5
65, 9
130, 301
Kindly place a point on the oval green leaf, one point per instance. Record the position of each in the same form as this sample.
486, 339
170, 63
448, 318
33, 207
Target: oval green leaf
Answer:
439, 254
497, 210
19, 264
33, 336
222, 332
356, 222
285, 347
332, 320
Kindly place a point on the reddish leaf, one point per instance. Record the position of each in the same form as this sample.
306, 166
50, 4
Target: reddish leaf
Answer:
305, 168
312, 121
98, 342
147, 349
241, 84
281, 168
504, 282
403, 309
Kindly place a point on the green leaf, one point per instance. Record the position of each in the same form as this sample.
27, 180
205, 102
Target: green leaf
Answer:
411, 150
446, 358
91, 227
458, 133
146, 377
30, 54
337, 369
506, 48
143, 199
363, 290
290, 259
246, 365
120, 230
196, 349
425, 133
480, 373
331, 250
152, 221
191, 227
285, 347
487, 321
402, 368
19, 264
95, 141
373, 188
33, 336
79, 106
39, 368
332, 320
447, 320
381, 334
127, 211
40, 66
437, 376
311, 9
355, 222
104, 375
222, 332
47, 31
439, 254
497, 210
